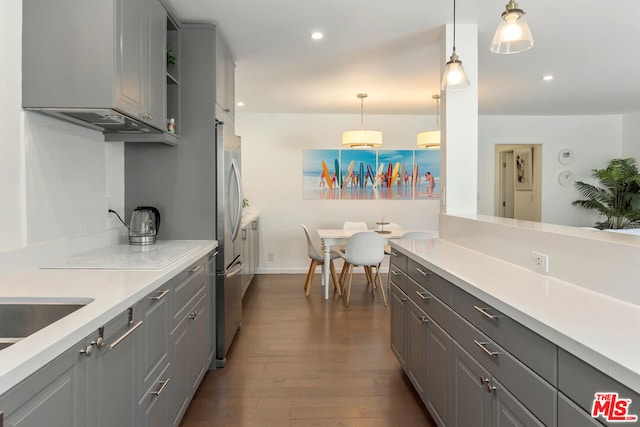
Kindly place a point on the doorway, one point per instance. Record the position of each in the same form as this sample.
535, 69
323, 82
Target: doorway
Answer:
511, 199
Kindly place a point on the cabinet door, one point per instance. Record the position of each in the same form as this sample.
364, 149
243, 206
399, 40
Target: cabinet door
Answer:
398, 300
53, 396
113, 375
154, 335
199, 319
154, 404
438, 373
471, 399
508, 412
156, 64
130, 54
180, 374
416, 332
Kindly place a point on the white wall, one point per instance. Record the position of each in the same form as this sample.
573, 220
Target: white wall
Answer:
272, 146
594, 139
56, 179
631, 135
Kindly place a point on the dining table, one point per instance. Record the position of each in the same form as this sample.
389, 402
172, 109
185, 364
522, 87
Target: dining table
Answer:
339, 236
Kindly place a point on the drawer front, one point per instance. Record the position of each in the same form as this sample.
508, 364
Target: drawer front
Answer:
571, 415
398, 278
530, 348
154, 341
431, 305
580, 382
193, 279
534, 392
430, 281
398, 259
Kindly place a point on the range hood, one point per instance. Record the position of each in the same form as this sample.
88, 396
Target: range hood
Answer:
105, 120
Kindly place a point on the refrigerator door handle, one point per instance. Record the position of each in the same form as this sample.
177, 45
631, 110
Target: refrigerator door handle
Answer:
235, 270
235, 172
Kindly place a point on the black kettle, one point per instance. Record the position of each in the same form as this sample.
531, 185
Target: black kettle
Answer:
144, 225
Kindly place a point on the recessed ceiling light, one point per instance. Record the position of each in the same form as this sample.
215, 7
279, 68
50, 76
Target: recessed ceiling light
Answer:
547, 78
317, 35
240, 104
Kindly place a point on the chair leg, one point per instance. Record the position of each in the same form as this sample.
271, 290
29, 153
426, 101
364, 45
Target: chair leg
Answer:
307, 284
367, 272
345, 267
334, 277
349, 285
384, 297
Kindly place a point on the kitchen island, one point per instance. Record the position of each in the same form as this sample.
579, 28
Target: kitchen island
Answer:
109, 295
581, 335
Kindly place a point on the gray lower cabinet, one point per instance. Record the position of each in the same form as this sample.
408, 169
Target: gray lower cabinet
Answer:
141, 368
250, 250
53, 396
112, 374
189, 337
463, 376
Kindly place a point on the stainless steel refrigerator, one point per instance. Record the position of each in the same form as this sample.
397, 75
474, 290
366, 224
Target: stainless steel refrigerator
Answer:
229, 261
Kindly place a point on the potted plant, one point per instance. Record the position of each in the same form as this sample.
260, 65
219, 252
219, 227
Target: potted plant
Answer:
618, 196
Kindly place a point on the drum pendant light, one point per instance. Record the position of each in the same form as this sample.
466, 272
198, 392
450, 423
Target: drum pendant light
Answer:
513, 34
431, 139
454, 76
362, 138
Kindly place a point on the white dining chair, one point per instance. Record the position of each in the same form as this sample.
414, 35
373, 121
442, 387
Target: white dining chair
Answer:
355, 225
317, 258
365, 249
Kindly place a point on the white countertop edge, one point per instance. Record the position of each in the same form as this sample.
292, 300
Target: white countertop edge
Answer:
591, 349
248, 217
25, 357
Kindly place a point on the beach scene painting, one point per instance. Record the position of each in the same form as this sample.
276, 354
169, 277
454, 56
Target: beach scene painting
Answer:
370, 174
357, 169
394, 174
427, 174
320, 172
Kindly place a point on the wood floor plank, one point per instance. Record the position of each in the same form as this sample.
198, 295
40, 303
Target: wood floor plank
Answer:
304, 361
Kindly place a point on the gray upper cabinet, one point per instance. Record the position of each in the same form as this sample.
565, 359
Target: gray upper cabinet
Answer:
88, 61
225, 77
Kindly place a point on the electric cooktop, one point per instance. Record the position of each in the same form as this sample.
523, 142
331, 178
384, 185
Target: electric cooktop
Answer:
126, 257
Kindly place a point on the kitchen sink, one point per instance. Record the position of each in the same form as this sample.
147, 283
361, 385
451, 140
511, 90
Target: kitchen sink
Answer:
19, 320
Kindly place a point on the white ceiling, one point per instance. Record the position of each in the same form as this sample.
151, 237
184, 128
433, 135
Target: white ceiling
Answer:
391, 50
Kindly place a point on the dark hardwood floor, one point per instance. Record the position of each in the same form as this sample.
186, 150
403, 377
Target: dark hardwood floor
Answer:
300, 361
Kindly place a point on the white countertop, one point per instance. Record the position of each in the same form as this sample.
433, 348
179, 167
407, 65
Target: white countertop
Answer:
108, 291
601, 330
248, 217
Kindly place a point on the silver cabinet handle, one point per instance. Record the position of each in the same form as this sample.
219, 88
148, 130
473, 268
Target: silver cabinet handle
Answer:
490, 388
394, 253
160, 295
423, 295
193, 315
482, 345
395, 273
159, 391
484, 381
424, 273
483, 311
424, 319
195, 269
124, 336
87, 351
244, 234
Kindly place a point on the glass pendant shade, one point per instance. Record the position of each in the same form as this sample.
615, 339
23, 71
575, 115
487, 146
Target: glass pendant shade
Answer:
513, 34
454, 76
429, 140
362, 138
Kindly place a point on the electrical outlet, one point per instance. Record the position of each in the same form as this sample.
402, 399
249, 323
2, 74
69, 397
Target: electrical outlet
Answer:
540, 262
270, 257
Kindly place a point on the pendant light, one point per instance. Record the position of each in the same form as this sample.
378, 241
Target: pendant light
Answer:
431, 139
362, 138
513, 34
454, 76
